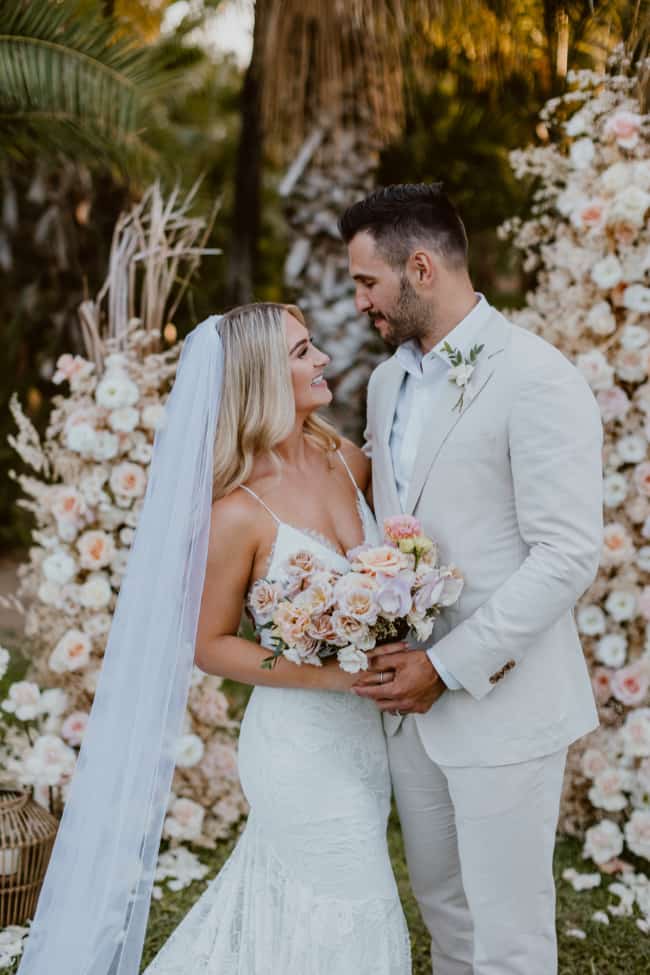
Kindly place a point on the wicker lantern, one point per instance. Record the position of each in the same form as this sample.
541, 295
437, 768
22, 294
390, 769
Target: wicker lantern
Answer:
27, 833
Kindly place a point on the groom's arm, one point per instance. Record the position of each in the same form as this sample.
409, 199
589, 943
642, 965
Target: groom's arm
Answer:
555, 439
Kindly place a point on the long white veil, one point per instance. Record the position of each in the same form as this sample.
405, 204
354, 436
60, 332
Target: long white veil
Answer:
92, 912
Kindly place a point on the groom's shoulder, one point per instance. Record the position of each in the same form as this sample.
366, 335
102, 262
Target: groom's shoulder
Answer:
530, 355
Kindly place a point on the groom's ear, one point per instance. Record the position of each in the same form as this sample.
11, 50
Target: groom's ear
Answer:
422, 269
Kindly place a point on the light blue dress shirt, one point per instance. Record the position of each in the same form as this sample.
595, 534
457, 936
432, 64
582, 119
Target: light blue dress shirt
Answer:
424, 380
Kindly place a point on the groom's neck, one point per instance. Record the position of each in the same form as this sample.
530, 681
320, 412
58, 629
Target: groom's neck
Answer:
447, 310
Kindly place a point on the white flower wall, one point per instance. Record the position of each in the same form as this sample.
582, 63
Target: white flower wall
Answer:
90, 475
588, 241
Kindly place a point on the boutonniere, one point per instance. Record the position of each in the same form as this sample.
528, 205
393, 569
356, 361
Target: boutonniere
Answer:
461, 370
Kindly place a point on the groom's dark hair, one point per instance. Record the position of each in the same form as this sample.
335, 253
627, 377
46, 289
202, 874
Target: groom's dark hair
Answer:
402, 216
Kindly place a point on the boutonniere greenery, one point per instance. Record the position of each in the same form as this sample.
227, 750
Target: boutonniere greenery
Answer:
461, 371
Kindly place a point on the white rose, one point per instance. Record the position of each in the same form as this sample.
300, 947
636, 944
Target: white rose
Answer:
576, 125
631, 365
632, 449
5, 658
116, 390
607, 273
81, 438
185, 820
59, 567
637, 833
635, 733
352, 660
600, 319
107, 446
617, 176
153, 416
23, 700
596, 369
591, 620
49, 593
643, 558
611, 650
97, 625
637, 298
581, 881
623, 126
123, 420
72, 652
54, 701
607, 790
189, 751
593, 762
582, 153
95, 593
614, 490
621, 605
629, 206
603, 842
634, 336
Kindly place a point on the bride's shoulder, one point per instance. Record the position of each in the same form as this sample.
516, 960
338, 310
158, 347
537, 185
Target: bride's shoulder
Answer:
357, 461
234, 520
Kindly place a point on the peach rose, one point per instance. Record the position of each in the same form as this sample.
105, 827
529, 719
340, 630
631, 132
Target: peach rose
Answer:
630, 686
601, 683
263, 600
381, 560
355, 594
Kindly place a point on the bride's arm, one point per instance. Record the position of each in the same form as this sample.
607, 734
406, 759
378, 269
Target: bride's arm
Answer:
232, 547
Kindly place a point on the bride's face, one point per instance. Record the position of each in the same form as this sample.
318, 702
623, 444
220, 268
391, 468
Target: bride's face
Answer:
306, 363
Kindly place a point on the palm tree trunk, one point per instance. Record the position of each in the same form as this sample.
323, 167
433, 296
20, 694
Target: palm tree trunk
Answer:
329, 173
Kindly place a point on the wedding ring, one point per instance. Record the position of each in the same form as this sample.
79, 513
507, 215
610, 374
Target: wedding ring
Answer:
381, 677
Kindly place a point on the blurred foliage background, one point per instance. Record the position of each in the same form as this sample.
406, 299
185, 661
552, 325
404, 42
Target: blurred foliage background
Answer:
97, 99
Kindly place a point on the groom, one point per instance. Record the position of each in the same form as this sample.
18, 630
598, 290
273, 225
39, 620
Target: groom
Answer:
492, 439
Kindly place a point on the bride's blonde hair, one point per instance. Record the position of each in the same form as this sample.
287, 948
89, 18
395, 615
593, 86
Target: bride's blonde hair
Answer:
257, 409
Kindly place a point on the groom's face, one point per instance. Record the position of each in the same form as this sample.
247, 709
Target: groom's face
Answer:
386, 294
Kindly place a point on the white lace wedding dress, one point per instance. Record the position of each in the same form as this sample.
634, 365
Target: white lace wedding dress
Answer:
309, 888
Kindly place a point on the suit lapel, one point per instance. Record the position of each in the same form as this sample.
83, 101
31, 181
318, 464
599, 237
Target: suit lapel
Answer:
390, 391
435, 433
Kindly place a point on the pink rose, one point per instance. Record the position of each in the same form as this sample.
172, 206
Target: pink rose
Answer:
642, 478
381, 560
614, 403
263, 600
630, 685
601, 683
355, 594
401, 526
624, 127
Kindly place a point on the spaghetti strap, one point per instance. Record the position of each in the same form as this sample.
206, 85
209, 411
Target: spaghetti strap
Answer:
345, 464
263, 503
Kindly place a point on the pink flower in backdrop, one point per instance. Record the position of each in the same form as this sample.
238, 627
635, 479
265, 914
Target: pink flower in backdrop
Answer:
601, 683
630, 685
614, 403
624, 126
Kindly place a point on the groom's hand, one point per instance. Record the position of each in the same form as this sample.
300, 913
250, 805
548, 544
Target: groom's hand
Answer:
415, 683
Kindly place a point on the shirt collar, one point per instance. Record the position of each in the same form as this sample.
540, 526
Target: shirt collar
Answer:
462, 336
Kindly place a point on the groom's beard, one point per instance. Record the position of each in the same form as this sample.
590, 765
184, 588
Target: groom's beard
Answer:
411, 318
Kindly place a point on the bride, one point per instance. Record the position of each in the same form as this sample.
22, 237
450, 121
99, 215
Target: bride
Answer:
309, 889
244, 477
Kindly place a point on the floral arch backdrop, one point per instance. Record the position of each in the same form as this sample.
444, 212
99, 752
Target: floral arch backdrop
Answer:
85, 492
588, 240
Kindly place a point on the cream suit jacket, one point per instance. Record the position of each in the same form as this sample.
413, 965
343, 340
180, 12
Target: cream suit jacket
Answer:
511, 489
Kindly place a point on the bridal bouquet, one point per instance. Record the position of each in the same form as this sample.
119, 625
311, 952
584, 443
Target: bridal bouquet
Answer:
389, 591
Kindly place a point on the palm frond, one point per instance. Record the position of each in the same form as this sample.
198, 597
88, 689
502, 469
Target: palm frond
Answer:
65, 74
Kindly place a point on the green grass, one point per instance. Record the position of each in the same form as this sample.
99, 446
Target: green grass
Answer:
617, 949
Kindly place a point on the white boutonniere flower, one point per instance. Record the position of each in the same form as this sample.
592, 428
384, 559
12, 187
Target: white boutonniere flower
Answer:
462, 369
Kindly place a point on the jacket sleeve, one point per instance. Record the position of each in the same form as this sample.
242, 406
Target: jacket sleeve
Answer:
555, 443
